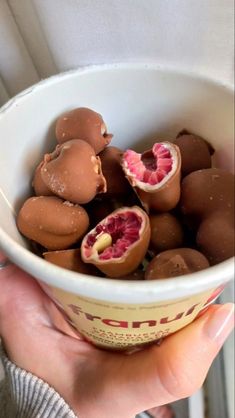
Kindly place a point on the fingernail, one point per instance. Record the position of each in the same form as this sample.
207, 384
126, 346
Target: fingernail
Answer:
219, 326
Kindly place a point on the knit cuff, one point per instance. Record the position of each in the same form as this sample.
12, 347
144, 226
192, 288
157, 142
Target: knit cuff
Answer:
33, 398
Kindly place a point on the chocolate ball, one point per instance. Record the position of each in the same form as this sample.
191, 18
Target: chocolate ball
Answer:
174, 263
206, 191
166, 232
51, 222
207, 199
83, 123
117, 184
195, 153
73, 172
215, 237
71, 260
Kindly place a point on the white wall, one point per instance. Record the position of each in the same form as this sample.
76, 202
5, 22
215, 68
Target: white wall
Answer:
41, 37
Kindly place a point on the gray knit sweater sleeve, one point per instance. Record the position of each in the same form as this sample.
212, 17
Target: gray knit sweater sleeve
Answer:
30, 397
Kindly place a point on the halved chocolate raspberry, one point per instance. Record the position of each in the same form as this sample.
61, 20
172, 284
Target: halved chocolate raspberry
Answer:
118, 244
155, 175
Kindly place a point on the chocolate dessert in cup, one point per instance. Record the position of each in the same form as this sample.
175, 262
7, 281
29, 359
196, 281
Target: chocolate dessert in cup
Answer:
141, 105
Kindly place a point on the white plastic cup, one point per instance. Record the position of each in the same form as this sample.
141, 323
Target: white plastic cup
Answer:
140, 103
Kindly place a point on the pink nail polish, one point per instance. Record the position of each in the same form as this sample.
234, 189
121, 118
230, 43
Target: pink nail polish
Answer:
219, 326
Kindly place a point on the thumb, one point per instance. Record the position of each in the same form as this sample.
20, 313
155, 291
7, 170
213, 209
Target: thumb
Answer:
178, 367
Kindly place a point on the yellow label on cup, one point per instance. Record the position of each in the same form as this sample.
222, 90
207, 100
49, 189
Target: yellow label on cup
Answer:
117, 325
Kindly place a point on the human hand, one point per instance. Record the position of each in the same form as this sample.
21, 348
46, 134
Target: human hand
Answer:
97, 383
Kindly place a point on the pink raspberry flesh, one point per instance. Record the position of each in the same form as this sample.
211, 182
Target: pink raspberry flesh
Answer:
124, 229
150, 167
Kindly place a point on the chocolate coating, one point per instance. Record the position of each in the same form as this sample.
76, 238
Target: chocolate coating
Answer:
208, 198
174, 263
117, 183
51, 222
215, 237
186, 132
71, 260
73, 172
166, 232
83, 123
206, 191
195, 153
38, 184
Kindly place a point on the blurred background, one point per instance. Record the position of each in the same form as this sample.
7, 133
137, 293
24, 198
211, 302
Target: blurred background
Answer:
39, 38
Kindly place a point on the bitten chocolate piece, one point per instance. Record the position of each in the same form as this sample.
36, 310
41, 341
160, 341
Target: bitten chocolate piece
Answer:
73, 172
155, 175
208, 198
166, 232
51, 222
71, 260
83, 123
177, 262
195, 153
117, 184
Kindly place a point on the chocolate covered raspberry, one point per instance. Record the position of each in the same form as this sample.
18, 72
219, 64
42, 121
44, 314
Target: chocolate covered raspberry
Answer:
195, 153
86, 124
177, 262
51, 222
73, 172
166, 232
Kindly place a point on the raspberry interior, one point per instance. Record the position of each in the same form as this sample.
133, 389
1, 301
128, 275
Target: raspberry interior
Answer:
124, 229
152, 166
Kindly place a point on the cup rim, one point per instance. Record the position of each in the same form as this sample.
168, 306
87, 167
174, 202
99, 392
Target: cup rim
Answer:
103, 288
